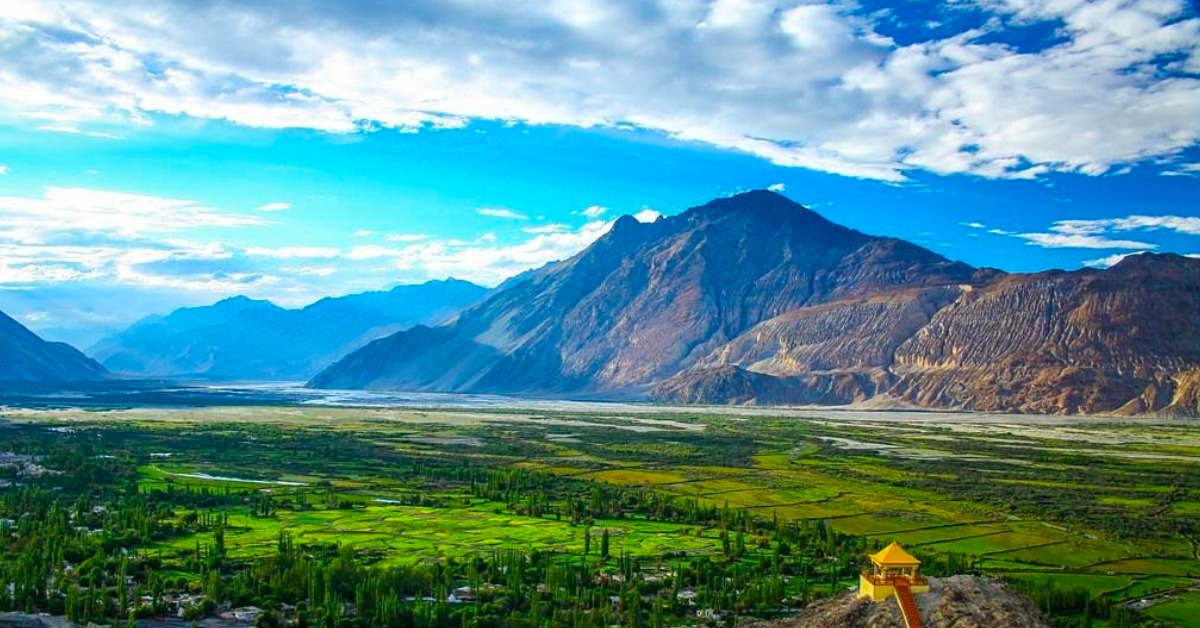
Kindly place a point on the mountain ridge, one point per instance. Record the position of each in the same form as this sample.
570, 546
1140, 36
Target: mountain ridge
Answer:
26, 357
756, 299
239, 338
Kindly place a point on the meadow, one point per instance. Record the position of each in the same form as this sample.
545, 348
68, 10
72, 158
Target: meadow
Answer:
1109, 507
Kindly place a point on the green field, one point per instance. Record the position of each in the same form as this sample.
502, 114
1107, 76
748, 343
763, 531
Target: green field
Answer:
1022, 498
1183, 609
407, 532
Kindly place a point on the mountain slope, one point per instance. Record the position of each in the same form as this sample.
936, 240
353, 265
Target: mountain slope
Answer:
755, 299
241, 338
1119, 341
646, 300
24, 357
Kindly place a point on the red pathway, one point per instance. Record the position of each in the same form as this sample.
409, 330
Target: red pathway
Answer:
908, 605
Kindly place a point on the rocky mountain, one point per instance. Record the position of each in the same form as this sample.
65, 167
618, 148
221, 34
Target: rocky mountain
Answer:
247, 339
954, 602
756, 299
24, 357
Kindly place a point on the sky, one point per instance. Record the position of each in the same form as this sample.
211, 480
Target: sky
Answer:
165, 153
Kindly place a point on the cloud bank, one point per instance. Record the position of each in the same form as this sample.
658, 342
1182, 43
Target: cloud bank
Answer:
798, 83
1097, 234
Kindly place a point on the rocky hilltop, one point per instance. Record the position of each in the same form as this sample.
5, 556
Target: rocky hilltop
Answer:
955, 602
25, 357
756, 299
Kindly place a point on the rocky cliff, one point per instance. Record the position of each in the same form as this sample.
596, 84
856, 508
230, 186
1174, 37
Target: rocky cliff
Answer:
755, 299
955, 602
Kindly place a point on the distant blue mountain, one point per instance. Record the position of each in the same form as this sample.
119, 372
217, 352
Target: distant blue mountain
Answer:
246, 339
25, 357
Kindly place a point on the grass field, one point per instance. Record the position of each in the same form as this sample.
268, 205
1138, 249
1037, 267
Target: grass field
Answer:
1183, 609
403, 533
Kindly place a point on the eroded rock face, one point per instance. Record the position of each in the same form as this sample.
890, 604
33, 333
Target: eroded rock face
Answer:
1121, 341
955, 602
755, 299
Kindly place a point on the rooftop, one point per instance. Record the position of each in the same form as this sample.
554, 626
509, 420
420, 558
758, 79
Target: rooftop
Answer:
893, 555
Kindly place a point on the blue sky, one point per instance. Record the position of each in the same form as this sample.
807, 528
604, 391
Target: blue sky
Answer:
176, 152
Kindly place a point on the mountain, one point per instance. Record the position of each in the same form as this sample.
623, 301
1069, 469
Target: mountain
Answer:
24, 357
756, 299
1121, 341
246, 339
954, 602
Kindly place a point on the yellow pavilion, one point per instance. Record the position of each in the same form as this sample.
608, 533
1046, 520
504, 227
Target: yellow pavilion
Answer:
892, 568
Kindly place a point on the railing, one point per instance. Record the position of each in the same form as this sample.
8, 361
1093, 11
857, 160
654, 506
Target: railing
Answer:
890, 581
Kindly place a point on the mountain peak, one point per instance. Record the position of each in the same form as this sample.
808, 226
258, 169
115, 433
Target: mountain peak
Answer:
770, 209
1150, 259
625, 222
240, 299
756, 199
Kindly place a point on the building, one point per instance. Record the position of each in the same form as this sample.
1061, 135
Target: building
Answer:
891, 566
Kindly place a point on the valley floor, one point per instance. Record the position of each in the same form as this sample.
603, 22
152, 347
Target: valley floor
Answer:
1103, 506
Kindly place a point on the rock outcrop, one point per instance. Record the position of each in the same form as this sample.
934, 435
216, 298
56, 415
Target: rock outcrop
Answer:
955, 602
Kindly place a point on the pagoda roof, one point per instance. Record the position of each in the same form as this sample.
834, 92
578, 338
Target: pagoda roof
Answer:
893, 555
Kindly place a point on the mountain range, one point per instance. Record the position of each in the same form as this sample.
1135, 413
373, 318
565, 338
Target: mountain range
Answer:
246, 339
756, 299
25, 357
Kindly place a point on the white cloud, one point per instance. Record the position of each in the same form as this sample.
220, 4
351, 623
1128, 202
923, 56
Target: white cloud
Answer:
1095, 233
291, 252
777, 187
482, 260
1182, 170
406, 237
647, 215
114, 245
368, 251
501, 212
311, 271
593, 212
3, 169
973, 225
363, 233
87, 211
74, 130
1103, 97
1105, 262
1076, 241
550, 228
278, 206
1189, 225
